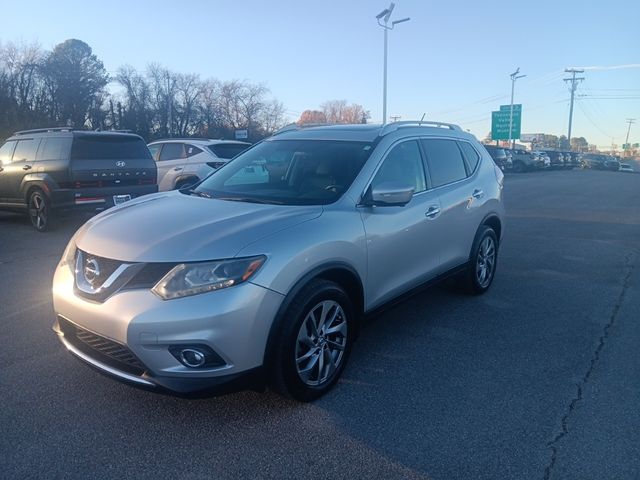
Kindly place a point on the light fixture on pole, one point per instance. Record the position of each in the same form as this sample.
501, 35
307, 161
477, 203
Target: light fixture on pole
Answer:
514, 76
383, 20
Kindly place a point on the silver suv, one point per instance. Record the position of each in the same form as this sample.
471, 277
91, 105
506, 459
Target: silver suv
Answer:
266, 278
184, 162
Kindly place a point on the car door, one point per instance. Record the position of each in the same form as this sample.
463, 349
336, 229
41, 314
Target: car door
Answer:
460, 193
6, 154
170, 163
21, 164
402, 242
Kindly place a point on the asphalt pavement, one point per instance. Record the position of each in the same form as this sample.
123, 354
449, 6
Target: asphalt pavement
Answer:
539, 378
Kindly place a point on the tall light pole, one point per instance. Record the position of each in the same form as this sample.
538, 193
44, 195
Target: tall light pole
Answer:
384, 16
514, 76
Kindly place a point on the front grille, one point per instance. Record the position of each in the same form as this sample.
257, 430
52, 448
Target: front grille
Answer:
102, 349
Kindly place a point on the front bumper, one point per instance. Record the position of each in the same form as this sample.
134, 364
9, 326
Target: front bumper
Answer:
234, 323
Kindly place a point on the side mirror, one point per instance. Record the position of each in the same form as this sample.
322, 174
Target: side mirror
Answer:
388, 194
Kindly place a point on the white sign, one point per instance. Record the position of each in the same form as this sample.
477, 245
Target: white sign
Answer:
242, 134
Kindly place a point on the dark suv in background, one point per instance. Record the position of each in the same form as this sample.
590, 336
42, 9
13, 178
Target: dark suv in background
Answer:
499, 156
598, 161
47, 171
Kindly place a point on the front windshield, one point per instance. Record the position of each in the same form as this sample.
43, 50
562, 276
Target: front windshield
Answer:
289, 172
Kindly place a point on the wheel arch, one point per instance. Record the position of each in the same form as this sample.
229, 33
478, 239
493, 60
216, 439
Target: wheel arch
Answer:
340, 273
493, 220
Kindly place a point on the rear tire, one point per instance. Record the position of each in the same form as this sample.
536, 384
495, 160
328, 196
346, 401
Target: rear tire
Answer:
314, 342
483, 260
39, 210
519, 167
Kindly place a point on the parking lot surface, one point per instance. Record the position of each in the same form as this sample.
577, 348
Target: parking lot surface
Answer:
539, 378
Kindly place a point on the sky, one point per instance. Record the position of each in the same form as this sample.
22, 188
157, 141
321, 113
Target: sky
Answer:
451, 61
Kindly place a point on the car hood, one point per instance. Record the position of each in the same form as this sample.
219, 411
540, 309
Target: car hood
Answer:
174, 227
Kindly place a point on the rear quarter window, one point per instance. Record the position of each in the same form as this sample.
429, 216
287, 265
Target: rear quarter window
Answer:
470, 155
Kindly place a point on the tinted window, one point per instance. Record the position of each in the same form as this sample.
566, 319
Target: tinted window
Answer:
54, 148
108, 148
26, 150
445, 161
172, 151
470, 155
155, 150
191, 150
304, 172
6, 152
403, 165
227, 150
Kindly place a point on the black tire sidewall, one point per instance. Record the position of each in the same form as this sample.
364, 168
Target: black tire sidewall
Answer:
287, 379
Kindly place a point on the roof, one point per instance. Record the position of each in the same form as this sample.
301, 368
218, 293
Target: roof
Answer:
197, 141
361, 132
70, 132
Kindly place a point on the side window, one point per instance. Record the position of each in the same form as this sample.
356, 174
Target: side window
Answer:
470, 155
53, 148
172, 151
191, 150
445, 161
155, 150
403, 165
26, 150
6, 152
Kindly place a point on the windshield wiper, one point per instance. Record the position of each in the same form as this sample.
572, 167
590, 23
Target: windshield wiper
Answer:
198, 194
250, 200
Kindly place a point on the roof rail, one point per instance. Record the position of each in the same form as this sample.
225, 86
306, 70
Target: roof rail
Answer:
392, 127
44, 130
294, 126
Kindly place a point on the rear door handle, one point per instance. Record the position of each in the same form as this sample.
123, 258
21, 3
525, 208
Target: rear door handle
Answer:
26, 167
432, 212
477, 193
177, 169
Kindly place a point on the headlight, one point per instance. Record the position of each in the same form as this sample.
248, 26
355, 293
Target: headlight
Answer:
69, 256
194, 278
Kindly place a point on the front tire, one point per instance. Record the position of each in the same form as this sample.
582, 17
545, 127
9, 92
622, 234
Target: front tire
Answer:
315, 341
39, 210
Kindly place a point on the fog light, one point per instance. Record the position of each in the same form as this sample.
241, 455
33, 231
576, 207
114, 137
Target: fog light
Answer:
196, 356
192, 358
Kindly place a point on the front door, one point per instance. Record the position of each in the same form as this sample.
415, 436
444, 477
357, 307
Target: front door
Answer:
402, 242
13, 172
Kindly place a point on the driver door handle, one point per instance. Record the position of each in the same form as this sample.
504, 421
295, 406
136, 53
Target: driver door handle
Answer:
432, 212
26, 167
477, 193
177, 169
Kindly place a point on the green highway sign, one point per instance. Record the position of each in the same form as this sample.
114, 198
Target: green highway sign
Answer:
517, 107
500, 122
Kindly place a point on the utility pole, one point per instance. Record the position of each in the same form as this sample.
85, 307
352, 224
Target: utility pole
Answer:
574, 84
630, 121
514, 76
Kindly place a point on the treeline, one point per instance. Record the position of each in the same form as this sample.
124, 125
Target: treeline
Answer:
67, 86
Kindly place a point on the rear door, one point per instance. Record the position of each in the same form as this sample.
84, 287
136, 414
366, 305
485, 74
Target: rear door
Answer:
21, 164
460, 193
170, 163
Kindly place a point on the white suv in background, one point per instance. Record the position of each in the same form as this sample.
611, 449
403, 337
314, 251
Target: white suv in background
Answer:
184, 161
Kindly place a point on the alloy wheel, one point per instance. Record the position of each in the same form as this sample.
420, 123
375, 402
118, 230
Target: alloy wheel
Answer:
38, 211
486, 261
321, 343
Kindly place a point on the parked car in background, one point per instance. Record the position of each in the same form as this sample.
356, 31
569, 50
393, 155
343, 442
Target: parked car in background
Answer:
499, 156
598, 161
47, 171
184, 162
626, 167
556, 159
544, 158
269, 282
570, 160
524, 161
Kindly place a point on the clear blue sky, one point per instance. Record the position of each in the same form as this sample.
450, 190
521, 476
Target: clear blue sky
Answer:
452, 60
